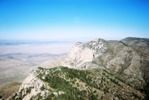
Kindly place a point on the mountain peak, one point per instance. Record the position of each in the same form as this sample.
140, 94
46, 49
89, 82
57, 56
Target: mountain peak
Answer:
82, 53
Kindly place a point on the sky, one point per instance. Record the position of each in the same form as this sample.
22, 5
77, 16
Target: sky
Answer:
73, 20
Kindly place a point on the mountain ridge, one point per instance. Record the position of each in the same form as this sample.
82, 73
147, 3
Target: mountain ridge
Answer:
101, 67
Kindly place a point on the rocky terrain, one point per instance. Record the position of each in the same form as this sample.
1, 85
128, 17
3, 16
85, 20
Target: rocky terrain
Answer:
96, 70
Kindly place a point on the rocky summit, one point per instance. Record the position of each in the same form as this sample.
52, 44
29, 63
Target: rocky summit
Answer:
96, 70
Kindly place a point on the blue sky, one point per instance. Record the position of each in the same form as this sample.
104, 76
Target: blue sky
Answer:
73, 20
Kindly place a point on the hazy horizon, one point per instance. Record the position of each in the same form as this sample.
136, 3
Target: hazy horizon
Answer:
18, 58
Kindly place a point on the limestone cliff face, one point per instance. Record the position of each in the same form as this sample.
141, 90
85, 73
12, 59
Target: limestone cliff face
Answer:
97, 70
83, 53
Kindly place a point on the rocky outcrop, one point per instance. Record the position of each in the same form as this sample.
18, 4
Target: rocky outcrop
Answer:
83, 53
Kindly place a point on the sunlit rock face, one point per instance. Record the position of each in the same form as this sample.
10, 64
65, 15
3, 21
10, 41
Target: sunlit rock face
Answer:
82, 53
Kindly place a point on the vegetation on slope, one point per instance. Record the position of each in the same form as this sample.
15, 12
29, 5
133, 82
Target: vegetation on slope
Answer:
72, 84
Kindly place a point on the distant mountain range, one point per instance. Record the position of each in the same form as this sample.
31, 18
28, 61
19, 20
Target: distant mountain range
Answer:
96, 70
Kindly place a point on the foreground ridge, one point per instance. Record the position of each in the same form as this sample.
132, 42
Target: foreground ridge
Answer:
66, 83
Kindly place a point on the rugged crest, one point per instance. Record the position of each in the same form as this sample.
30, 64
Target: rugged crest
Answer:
81, 54
101, 70
70, 84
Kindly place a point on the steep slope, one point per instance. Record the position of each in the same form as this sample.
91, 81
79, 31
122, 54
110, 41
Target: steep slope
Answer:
141, 46
70, 84
124, 62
